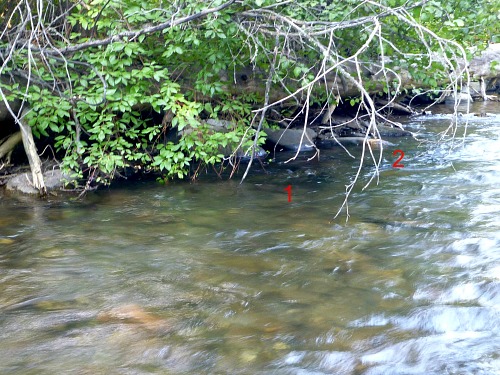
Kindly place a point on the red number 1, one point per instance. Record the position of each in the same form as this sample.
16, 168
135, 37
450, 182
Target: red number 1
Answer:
396, 163
289, 189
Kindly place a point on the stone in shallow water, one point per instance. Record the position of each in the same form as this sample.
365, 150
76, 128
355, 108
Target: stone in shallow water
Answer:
461, 97
248, 356
134, 314
53, 252
21, 183
53, 179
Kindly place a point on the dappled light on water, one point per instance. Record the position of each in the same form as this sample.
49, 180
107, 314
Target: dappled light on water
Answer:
215, 277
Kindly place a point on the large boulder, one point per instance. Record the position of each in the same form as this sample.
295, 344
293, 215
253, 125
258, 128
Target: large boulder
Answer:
293, 139
487, 64
486, 68
54, 179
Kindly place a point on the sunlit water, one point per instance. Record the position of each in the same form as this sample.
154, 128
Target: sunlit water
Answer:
221, 278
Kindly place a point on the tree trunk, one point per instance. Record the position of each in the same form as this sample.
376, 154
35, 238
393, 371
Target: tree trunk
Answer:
31, 152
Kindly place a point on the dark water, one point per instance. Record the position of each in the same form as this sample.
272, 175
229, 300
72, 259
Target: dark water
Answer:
218, 278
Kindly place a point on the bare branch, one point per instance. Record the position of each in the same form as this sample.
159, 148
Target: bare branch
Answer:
131, 35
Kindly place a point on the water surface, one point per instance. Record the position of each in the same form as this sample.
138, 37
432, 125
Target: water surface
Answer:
216, 277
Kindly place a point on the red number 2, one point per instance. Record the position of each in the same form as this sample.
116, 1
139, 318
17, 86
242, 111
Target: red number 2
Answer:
289, 189
396, 163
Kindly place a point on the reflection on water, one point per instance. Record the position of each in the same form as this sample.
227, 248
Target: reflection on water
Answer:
218, 277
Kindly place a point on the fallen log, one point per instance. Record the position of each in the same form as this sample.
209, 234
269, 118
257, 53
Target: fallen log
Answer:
404, 109
8, 144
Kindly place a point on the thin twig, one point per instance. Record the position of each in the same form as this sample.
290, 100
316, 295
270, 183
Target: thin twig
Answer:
263, 113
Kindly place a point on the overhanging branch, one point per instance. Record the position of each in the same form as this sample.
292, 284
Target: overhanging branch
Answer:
131, 35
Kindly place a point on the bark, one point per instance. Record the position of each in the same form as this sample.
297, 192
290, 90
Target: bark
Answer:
32, 153
397, 106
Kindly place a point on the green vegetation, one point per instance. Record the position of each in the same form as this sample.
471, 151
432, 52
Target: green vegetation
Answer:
128, 84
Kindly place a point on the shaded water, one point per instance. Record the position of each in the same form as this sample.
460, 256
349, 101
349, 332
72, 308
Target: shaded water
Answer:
216, 278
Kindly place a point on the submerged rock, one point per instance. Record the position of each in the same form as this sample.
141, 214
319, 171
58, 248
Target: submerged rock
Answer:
327, 141
259, 153
134, 314
389, 131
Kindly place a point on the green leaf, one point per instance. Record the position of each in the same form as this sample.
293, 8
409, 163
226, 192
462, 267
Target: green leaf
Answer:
101, 136
297, 71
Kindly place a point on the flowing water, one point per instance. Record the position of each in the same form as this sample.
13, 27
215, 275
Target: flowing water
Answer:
221, 278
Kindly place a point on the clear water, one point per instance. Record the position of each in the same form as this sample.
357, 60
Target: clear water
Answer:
221, 278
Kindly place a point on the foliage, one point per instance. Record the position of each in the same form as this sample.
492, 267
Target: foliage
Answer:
127, 104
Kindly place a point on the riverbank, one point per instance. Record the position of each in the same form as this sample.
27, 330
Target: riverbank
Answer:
348, 130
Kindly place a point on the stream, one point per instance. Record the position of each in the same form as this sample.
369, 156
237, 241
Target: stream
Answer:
215, 277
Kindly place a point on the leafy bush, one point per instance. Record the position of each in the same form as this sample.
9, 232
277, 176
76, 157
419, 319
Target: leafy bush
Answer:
100, 70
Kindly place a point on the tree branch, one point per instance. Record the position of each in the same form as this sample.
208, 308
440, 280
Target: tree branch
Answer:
263, 114
131, 35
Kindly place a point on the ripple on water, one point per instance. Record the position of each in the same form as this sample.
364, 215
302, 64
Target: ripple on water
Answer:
251, 284
451, 319
318, 362
431, 356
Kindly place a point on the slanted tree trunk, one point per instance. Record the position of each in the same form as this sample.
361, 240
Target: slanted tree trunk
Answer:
32, 153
